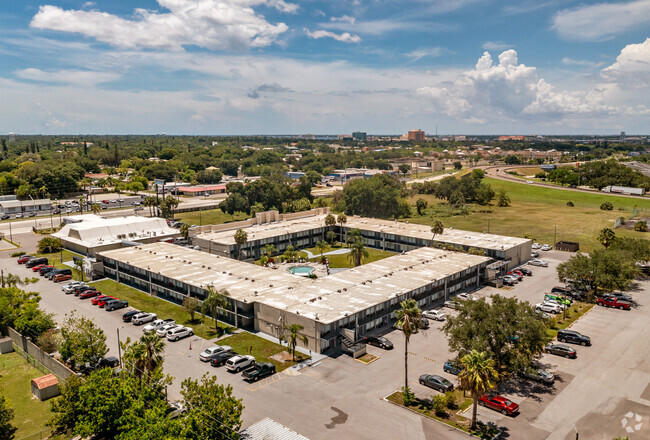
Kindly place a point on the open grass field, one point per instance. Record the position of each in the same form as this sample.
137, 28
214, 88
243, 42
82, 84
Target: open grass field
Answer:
204, 327
31, 414
262, 349
209, 217
539, 213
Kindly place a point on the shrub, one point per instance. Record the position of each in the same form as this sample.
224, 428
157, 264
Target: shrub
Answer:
620, 220
607, 206
49, 341
18, 254
48, 245
450, 400
569, 203
439, 405
641, 226
408, 396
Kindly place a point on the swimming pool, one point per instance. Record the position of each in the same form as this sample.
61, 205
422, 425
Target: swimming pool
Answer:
303, 271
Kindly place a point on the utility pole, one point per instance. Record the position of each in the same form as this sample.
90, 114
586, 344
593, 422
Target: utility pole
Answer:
119, 348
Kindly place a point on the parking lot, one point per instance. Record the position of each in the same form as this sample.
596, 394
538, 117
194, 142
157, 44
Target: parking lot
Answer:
342, 397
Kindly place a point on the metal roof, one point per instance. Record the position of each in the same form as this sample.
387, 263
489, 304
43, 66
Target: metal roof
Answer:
268, 429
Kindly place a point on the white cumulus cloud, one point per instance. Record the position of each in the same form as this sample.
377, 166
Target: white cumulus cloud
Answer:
212, 24
632, 66
77, 77
510, 90
345, 37
344, 18
601, 21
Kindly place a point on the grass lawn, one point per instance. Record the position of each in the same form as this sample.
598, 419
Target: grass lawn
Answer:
575, 311
343, 260
536, 211
209, 217
263, 349
204, 327
54, 259
31, 414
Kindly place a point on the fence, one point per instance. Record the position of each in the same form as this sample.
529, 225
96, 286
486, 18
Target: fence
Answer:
31, 350
40, 435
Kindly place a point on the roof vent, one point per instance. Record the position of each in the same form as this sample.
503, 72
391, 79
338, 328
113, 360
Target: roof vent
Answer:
345, 289
203, 266
246, 278
339, 291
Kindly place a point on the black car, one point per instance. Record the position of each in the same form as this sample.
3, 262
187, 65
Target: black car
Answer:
50, 274
379, 341
220, 359
526, 271
36, 262
128, 315
5, 217
561, 290
620, 296
436, 382
573, 337
115, 304
45, 270
109, 361
561, 350
424, 323
83, 289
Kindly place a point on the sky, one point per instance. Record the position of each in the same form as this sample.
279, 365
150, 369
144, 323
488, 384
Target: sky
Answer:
239, 67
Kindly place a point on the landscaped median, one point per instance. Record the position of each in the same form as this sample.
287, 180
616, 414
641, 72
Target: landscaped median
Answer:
263, 350
164, 309
446, 409
565, 319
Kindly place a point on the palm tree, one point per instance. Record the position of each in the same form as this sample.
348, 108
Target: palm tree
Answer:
215, 304
290, 253
96, 208
342, 219
606, 237
81, 203
331, 236
11, 280
268, 250
241, 237
292, 336
79, 265
185, 230
354, 236
43, 191
437, 228
321, 246
477, 376
409, 317
150, 202
358, 252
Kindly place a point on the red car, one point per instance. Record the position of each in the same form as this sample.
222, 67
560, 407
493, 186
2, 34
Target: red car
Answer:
96, 299
499, 403
610, 301
89, 294
102, 302
40, 266
24, 259
516, 274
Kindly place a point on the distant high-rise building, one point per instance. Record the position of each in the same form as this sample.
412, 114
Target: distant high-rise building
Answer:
622, 138
415, 135
359, 136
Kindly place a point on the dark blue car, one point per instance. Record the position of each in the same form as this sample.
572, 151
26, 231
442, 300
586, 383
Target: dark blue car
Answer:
452, 368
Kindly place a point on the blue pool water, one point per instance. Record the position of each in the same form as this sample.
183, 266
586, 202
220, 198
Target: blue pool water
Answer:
303, 271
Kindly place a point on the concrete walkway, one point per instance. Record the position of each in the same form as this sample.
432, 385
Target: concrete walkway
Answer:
334, 252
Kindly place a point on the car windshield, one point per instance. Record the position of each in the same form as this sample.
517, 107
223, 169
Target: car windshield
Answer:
380, 339
445, 382
507, 403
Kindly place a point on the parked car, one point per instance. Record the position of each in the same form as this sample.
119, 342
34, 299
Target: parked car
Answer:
129, 315
59, 277
378, 341
135, 203
538, 375
102, 302
162, 331
44, 270
518, 276
207, 354
561, 350
178, 333
115, 304
536, 246
51, 274
436, 382
95, 301
499, 403
534, 254
69, 286
38, 266
238, 363
540, 263
466, 296
35, 262
452, 367
547, 247
509, 281
89, 294
176, 409
451, 304
220, 359
548, 307
19, 215
5, 217
611, 301
526, 271
109, 361
79, 290
436, 315
558, 299
619, 295
259, 370
156, 324
143, 318
567, 335
551, 301
424, 323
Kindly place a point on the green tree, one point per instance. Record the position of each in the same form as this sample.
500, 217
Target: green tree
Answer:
191, 305
602, 269
215, 304
322, 246
49, 245
358, 252
437, 228
503, 199
96, 208
404, 168
477, 376
512, 160
150, 202
185, 230
83, 341
234, 203
638, 249
331, 236
341, 219
7, 430
269, 250
378, 196
143, 357
257, 207
215, 413
291, 336
32, 321
79, 265
421, 205
241, 237
290, 253
508, 329
641, 226
606, 237
458, 165
409, 318
606, 206
168, 205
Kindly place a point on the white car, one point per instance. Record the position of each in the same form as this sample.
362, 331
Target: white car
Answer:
436, 315
239, 362
207, 354
555, 303
142, 318
547, 247
548, 307
536, 246
179, 332
451, 304
529, 181
71, 285
162, 331
540, 263
155, 325
467, 296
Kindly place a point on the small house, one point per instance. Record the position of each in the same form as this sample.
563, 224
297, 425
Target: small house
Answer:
45, 387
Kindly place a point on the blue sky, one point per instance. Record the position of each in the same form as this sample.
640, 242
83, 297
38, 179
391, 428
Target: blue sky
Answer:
280, 67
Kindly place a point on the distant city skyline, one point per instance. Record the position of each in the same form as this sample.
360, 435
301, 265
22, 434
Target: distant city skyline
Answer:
244, 67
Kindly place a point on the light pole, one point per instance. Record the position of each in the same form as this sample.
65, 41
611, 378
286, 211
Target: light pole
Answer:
34, 211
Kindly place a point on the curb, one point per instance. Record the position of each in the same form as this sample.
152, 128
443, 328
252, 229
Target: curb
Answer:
376, 358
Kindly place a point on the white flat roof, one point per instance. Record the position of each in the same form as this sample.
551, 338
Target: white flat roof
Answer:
450, 235
327, 299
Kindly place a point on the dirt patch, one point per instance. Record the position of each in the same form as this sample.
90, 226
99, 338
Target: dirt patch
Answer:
283, 356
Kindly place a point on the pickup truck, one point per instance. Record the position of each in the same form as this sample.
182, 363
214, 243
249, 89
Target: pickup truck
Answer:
610, 301
260, 370
142, 318
156, 324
